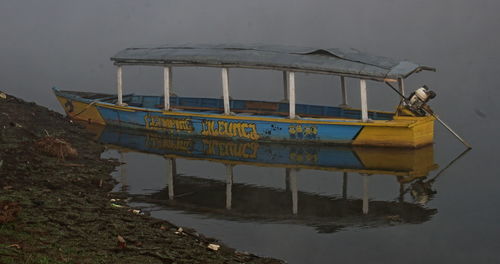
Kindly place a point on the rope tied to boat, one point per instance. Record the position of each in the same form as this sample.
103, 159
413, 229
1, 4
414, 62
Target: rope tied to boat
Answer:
85, 108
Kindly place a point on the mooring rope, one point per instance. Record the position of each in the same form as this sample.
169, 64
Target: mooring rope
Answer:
86, 108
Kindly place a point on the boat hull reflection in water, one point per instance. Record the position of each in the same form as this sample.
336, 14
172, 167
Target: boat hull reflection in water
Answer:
242, 202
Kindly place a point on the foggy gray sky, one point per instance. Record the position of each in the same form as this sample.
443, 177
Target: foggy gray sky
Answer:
68, 43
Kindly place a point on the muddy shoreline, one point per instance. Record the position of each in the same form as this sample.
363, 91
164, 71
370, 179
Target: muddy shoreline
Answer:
56, 204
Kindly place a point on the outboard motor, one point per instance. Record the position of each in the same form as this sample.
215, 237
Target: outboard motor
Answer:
417, 100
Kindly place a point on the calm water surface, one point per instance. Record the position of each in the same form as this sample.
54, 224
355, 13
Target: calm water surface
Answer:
398, 212
298, 202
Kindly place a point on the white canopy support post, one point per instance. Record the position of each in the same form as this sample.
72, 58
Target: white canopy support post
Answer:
364, 104
225, 90
285, 86
365, 194
401, 85
166, 88
229, 186
291, 94
344, 92
119, 85
171, 90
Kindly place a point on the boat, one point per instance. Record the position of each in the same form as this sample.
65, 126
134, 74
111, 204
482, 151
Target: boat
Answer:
409, 126
237, 201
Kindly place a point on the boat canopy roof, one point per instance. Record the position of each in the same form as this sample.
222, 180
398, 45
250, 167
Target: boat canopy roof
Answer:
343, 62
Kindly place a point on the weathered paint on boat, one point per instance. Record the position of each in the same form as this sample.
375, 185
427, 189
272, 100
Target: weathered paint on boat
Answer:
401, 131
417, 134
80, 110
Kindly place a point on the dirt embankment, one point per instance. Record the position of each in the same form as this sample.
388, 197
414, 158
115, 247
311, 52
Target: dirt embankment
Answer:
55, 201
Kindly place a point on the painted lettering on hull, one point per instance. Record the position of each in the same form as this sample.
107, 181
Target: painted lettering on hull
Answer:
169, 124
302, 131
229, 129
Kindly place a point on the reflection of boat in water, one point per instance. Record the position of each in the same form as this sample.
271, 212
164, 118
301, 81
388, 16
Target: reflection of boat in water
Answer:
392, 161
242, 202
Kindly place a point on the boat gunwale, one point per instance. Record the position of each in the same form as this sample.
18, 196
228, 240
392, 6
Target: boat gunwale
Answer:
303, 120
384, 123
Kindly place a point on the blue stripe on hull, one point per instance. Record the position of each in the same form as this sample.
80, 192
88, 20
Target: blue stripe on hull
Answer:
218, 126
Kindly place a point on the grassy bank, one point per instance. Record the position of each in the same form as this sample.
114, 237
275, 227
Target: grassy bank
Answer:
55, 201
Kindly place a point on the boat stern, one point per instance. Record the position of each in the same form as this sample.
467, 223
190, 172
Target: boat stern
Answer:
418, 133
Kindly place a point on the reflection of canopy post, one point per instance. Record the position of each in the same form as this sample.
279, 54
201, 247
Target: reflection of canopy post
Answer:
123, 174
171, 171
365, 194
291, 93
287, 179
167, 85
344, 186
401, 192
119, 85
294, 189
364, 103
344, 92
225, 90
229, 186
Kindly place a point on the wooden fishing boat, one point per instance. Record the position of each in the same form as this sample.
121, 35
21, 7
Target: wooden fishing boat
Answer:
251, 120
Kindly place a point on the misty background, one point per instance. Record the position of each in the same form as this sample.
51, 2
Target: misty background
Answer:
68, 44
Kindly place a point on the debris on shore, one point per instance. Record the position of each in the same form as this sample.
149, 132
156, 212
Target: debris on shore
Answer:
56, 204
